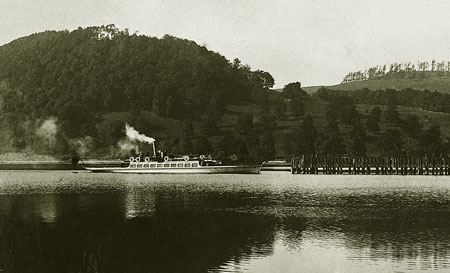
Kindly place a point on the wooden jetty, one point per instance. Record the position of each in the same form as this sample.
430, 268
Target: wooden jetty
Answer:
323, 164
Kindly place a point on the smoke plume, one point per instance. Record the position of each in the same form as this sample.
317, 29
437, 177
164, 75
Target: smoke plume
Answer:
82, 145
47, 131
126, 146
134, 135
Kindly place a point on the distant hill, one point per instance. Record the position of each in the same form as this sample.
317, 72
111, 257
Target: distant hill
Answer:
432, 81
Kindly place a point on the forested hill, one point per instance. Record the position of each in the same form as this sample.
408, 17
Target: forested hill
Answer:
104, 69
69, 82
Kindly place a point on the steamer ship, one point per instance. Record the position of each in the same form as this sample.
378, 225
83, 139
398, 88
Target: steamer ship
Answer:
180, 165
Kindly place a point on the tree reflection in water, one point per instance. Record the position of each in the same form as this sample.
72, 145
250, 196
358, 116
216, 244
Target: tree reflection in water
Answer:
92, 234
198, 227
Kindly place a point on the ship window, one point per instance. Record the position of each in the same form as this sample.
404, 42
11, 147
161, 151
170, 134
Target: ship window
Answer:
173, 165
194, 165
160, 165
166, 165
187, 164
180, 164
152, 165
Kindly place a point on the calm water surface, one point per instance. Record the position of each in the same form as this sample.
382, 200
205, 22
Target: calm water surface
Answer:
273, 222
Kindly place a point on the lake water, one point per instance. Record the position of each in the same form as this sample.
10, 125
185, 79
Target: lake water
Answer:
61, 221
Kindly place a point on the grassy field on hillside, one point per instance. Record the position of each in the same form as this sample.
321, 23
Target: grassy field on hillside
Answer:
427, 118
440, 84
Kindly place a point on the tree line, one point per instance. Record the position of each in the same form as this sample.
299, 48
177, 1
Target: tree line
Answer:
398, 70
385, 132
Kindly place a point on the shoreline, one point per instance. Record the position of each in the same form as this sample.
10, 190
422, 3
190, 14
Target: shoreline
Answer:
55, 165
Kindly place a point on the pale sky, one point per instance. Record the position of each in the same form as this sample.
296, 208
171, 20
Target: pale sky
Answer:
315, 42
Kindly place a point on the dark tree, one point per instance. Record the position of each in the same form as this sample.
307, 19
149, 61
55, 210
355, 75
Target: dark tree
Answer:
357, 141
188, 128
297, 107
77, 120
391, 114
293, 90
187, 136
216, 106
244, 124
373, 120
412, 126
332, 124
261, 98
342, 107
267, 146
160, 101
334, 145
110, 132
263, 79
252, 143
305, 138
134, 116
202, 146
391, 143
144, 125
208, 127
430, 141
279, 108
266, 122
331, 142
174, 107
227, 146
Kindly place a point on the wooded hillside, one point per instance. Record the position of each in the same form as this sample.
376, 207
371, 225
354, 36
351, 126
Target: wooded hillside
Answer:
63, 92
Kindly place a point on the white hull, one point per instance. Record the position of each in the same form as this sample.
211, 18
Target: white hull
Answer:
253, 169
274, 168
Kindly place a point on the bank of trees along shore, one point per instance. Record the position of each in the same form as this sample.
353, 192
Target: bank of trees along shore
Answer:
341, 130
91, 81
385, 131
400, 71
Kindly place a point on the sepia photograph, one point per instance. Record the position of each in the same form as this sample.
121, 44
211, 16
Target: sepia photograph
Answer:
224, 136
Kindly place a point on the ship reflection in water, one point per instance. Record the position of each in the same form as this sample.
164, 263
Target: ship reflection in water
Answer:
84, 222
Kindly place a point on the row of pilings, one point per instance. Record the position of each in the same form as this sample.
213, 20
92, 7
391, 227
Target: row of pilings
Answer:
323, 164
